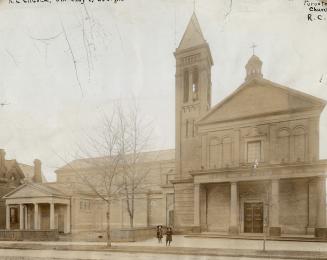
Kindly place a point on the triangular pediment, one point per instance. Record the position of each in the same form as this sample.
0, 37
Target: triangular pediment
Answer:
193, 35
29, 190
260, 97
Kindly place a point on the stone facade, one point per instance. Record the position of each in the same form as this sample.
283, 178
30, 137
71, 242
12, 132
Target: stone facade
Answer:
251, 163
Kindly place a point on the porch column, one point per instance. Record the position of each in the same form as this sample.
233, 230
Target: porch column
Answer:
36, 216
67, 220
233, 226
52, 218
197, 204
274, 229
321, 214
21, 216
321, 227
7, 217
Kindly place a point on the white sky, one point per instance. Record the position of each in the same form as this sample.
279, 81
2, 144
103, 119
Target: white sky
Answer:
130, 52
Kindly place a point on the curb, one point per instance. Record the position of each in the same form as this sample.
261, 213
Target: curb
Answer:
177, 251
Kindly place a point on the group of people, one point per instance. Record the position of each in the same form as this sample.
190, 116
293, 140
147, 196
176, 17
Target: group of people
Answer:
169, 235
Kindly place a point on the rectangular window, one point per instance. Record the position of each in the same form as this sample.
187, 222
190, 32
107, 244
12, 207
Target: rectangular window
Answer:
186, 86
84, 205
254, 151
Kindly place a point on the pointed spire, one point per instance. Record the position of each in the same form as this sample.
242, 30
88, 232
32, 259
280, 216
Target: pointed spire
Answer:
193, 35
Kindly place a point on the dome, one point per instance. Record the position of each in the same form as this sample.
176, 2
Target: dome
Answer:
253, 68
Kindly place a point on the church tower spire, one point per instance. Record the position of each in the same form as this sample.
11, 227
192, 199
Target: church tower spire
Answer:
193, 95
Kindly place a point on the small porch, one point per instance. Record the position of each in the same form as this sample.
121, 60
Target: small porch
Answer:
37, 207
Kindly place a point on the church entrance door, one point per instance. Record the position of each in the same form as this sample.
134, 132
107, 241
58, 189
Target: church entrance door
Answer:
253, 217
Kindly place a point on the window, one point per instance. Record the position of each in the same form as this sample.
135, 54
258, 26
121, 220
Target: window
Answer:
299, 144
13, 215
227, 151
214, 154
186, 128
84, 205
254, 151
186, 86
193, 127
195, 88
283, 145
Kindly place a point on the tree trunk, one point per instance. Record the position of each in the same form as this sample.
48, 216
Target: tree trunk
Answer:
131, 221
108, 225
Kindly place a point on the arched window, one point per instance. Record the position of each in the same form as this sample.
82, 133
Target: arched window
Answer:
186, 86
187, 126
299, 143
195, 84
227, 151
283, 145
214, 153
254, 151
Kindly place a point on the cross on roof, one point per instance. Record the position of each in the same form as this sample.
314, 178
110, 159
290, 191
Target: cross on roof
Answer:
253, 48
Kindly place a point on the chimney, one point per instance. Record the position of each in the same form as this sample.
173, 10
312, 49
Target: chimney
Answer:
2, 162
37, 171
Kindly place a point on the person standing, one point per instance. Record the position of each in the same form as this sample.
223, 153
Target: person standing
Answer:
159, 233
169, 236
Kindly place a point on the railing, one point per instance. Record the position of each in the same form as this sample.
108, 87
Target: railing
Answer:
31, 235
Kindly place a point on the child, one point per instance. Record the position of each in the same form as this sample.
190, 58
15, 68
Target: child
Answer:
159, 234
169, 236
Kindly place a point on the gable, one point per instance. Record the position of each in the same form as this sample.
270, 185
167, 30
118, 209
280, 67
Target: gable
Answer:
260, 97
26, 191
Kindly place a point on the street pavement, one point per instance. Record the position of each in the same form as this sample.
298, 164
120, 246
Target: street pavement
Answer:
181, 248
193, 242
14, 254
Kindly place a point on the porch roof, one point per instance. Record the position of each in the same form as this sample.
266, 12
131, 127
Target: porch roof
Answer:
35, 190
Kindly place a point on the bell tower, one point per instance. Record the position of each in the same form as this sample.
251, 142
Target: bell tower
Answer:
193, 96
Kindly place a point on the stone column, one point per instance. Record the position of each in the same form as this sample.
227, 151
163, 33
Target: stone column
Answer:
274, 229
52, 217
312, 206
7, 217
21, 216
36, 216
67, 220
164, 206
234, 223
196, 204
321, 227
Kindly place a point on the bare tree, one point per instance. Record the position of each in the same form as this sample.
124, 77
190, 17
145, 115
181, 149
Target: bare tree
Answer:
98, 164
135, 169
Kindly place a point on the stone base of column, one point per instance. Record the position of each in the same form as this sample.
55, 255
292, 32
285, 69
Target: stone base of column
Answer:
274, 231
321, 233
310, 230
233, 230
204, 228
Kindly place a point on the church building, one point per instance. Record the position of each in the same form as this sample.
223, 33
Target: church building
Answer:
250, 162
248, 165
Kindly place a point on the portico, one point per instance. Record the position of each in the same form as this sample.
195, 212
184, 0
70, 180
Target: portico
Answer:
273, 199
35, 207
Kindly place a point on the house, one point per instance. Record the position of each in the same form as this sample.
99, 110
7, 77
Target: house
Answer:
12, 175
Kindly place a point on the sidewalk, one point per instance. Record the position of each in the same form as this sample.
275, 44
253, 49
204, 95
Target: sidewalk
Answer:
192, 246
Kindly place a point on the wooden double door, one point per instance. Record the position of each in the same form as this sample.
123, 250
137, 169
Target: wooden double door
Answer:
253, 217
